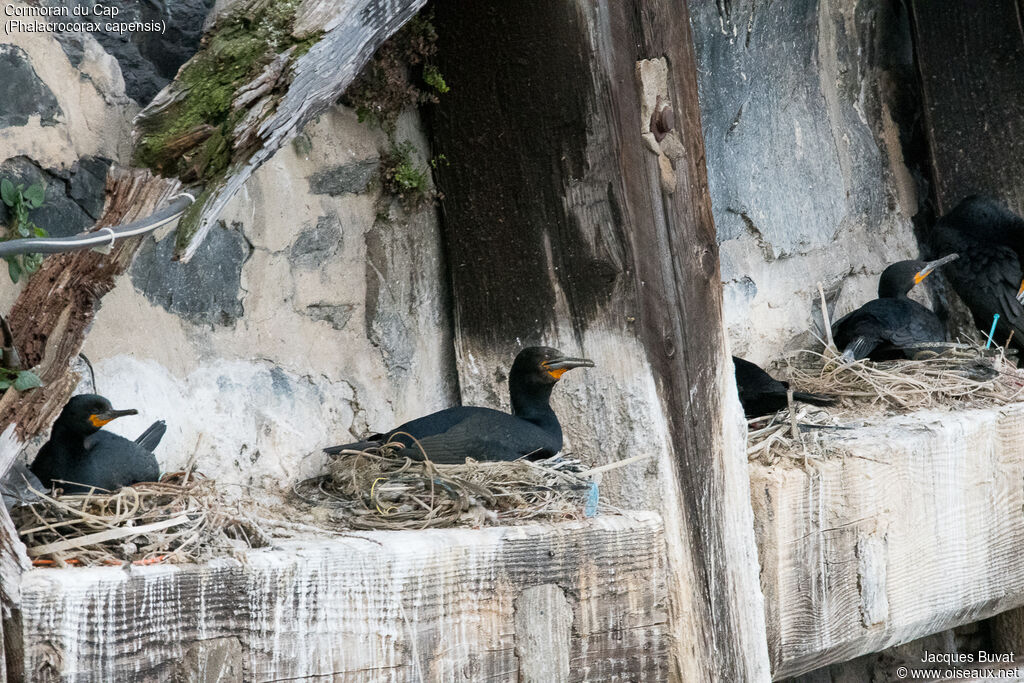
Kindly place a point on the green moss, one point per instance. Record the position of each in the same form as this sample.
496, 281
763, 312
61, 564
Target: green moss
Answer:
401, 177
188, 224
432, 76
240, 47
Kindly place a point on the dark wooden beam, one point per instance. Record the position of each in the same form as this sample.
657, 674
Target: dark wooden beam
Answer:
970, 58
567, 222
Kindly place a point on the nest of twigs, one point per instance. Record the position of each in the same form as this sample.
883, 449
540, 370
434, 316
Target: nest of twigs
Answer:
800, 434
378, 489
942, 375
961, 372
178, 519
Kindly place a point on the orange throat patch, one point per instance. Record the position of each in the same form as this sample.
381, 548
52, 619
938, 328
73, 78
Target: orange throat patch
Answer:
557, 374
97, 421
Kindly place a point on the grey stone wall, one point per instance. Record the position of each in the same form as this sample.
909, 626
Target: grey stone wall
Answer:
806, 112
315, 312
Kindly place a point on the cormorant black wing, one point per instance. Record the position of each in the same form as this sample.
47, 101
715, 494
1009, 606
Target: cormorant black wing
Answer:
987, 279
112, 461
490, 435
420, 428
882, 324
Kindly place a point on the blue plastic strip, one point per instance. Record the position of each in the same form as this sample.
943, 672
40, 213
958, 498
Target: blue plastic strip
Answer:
992, 331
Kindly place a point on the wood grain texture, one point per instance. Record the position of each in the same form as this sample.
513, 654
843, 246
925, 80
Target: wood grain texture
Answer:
917, 529
560, 228
971, 64
347, 34
434, 605
52, 313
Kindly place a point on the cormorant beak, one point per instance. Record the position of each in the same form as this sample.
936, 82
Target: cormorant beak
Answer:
556, 367
932, 265
100, 419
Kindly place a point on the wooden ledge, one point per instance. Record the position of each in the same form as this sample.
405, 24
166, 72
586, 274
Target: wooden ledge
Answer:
919, 528
577, 600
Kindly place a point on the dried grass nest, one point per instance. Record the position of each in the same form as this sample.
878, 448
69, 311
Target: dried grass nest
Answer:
960, 372
940, 375
182, 518
379, 489
186, 518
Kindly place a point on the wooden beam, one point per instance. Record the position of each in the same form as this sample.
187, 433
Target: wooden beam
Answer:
433, 605
568, 221
970, 59
898, 530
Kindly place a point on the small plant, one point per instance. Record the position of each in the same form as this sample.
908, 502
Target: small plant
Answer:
400, 75
401, 177
434, 79
21, 200
20, 380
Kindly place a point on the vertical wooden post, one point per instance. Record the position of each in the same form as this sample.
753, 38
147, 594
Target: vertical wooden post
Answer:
970, 59
568, 220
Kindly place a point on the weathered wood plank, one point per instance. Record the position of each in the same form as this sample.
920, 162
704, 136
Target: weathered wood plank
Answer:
566, 222
344, 36
971, 63
14, 562
917, 529
385, 606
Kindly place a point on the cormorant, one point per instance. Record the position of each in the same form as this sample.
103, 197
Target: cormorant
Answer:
761, 394
454, 434
988, 276
79, 451
881, 328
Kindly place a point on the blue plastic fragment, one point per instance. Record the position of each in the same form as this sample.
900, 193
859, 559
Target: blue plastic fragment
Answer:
992, 331
590, 506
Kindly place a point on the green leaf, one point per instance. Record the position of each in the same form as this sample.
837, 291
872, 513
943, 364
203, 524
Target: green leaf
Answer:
7, 192
14, 269
27, 380
31, 262
35, 194
39, 232
5, 384
23, 229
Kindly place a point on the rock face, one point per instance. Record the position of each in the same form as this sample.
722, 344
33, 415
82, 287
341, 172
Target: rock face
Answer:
22, 93
803, 118
74, 196
316, 313
148, 59
207, 289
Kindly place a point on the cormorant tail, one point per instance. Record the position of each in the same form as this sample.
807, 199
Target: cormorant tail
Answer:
357, 446
814, 399
150, 438
858, 348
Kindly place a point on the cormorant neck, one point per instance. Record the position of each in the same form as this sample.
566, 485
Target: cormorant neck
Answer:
65, 431
891, 288
531, 402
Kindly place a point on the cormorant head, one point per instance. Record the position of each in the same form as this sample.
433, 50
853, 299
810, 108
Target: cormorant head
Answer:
87, 413
900, 277
543, 365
